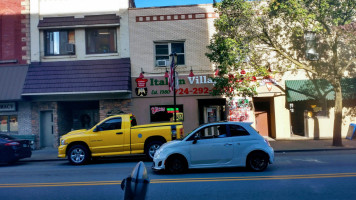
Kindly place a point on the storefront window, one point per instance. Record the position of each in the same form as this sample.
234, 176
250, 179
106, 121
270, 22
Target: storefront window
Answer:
8, 123
165, 113
13, 124
3, 125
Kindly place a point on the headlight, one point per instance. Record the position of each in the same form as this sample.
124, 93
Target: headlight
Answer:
63, 142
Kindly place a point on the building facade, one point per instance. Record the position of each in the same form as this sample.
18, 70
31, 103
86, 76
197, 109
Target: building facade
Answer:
281, 110
14, 61
158, 31
154, 34
80, 65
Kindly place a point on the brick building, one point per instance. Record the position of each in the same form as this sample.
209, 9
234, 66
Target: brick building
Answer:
14, 59
80, 65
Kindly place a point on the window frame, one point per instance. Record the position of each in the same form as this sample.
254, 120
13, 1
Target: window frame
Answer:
100, 127
109, 29
46, 49
8, 124
231, 133
169, 44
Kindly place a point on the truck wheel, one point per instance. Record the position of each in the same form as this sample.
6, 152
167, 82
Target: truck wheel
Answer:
78, 155
151, 148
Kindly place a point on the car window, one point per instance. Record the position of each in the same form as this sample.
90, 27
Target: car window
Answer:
133, 121
236, 130
111, 124
210, 132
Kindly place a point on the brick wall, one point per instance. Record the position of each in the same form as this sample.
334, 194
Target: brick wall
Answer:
14, 32
24, 117
113, 106
192, 24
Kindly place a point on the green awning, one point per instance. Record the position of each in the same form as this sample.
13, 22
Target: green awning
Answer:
303, 90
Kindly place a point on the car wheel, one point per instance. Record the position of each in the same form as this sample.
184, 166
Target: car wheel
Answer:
257, 161
78, 155
176, 165
151, 149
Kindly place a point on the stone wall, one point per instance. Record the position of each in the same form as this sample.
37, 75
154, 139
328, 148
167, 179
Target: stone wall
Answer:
113, 106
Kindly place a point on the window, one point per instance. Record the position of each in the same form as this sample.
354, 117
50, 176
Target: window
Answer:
111, 124
60, 42
8, 123
163, 50
214, 131
165, 113
236, 130
100, 40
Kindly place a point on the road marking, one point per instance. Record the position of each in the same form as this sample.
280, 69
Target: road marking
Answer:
183, 180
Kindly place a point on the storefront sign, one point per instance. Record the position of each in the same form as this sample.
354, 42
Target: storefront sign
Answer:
158, 86
7, 107
165, 113
268, 82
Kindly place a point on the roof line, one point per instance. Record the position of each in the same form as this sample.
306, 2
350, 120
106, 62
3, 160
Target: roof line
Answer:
64, 93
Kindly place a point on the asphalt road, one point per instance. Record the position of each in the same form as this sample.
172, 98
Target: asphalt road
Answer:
298, 175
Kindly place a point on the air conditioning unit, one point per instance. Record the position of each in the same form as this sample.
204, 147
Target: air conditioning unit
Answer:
161, 63
313, 56
70, 48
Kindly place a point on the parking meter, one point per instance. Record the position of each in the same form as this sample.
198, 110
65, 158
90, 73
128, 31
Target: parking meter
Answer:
135, 186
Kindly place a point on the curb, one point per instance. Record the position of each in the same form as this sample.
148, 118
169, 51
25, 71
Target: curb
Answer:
309, 150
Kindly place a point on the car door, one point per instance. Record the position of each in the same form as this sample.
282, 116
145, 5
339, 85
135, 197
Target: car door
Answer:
211, 148
241, 140
108, 137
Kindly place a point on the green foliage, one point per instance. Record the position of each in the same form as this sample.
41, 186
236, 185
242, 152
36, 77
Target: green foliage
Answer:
256, 31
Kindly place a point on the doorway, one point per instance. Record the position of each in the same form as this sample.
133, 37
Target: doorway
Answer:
46, 129
263, 116
211, 110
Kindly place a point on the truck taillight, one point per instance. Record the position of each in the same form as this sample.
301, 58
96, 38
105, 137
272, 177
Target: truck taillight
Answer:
181, 133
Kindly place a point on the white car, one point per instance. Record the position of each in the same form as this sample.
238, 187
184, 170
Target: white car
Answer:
215, 145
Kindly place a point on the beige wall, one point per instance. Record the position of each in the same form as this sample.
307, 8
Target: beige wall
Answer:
195, 32
78, 8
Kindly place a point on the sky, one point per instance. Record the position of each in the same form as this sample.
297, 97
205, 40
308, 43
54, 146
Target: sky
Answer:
155, 3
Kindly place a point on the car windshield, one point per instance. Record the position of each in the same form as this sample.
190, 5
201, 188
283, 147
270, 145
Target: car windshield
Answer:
6, 137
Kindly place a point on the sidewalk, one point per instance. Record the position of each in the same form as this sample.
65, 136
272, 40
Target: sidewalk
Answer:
50, 154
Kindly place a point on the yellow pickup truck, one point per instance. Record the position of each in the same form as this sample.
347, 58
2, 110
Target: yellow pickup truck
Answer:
117, 135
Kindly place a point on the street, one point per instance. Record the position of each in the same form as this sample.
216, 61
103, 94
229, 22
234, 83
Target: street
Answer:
297, 175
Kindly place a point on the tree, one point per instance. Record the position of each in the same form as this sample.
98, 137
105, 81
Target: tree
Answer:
272, 35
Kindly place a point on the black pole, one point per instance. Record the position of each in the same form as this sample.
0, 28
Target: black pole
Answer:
174, 92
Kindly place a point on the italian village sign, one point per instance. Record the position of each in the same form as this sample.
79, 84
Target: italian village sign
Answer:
158, 86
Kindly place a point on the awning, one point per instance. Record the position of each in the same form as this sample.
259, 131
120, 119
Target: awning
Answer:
12, 79
94, 77
72, 22
303, 90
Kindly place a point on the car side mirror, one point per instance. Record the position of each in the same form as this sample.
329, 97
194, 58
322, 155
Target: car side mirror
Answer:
97, 128
196, 138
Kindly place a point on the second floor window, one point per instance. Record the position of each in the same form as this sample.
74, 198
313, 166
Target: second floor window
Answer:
59, 42
164, 49
100, 40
